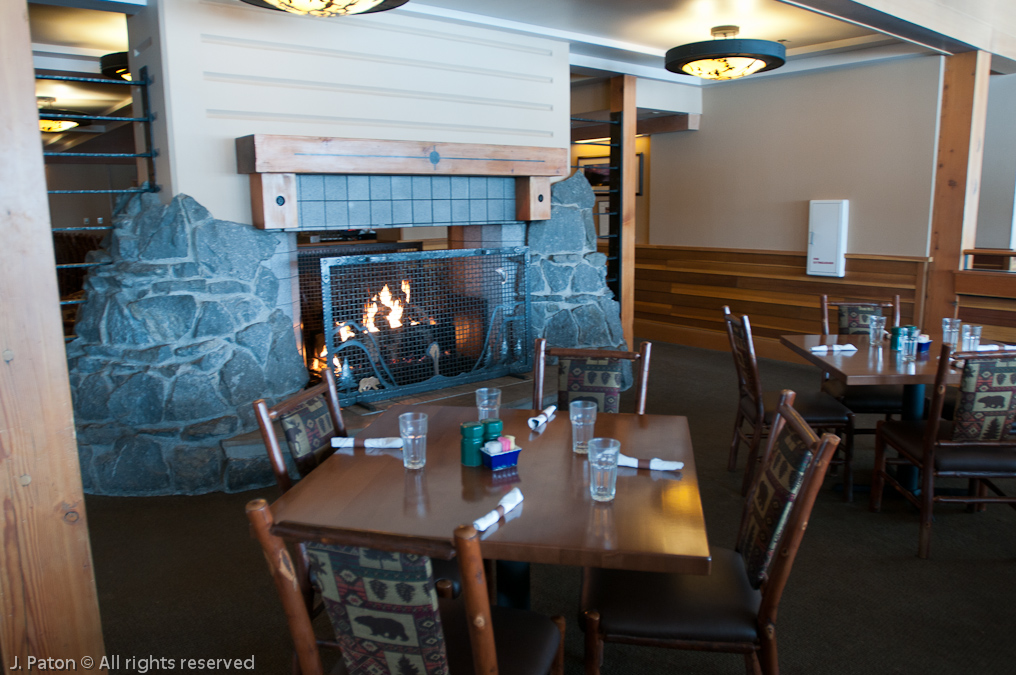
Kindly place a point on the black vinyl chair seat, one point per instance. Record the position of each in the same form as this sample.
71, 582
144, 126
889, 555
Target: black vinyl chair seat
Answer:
720, 607
909, 435
817, 409
513, 628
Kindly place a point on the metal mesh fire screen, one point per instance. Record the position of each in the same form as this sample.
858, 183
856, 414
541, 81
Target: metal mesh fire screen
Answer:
309, 270
403, 323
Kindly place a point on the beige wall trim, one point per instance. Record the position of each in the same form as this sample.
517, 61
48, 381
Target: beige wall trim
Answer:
48, 601
957, 180
663, 124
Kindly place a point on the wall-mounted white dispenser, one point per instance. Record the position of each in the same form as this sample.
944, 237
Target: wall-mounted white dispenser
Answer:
827, 237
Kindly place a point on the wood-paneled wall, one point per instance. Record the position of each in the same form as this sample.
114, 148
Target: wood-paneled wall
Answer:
679, 293
988, 298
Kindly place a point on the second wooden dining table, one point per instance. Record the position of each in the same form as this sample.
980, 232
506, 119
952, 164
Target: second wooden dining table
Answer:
655, 523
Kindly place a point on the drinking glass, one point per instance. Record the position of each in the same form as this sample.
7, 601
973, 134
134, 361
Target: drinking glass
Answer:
876, 329
583, 419
488, 400
603, 454
951, 331
908, 347
971, 337
413, 427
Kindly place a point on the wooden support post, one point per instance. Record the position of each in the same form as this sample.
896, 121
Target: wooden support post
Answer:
532, 198
622, 99
48, 604
957, 180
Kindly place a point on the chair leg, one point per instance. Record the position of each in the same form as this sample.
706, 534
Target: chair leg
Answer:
927, 502
848, 460
735, 444
557, 668
878, 477
767, 652
594, 645
751, 664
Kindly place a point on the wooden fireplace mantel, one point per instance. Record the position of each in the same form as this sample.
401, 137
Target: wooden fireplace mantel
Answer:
274, 161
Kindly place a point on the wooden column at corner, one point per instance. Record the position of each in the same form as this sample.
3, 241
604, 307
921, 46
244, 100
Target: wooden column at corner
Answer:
622, 100
48, 603
957, 180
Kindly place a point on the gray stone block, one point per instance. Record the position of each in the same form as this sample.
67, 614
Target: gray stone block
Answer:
242, 378
138, 400
591, 326
196, 470
402, 212
91, 397
214, 360
310, 187
559, 277
422, 188
441, 187
359, 214
423, 212
402, 187
219, 427
561, 330
257, 338
167, 318
566, 232
573, 191
245, 309
335, 188
612, 313
195, 396
154, 355
337, 214
134, 466
227, 287
231, 249
85, 462
122, 328
590, 280
358, 188
180, 286
285, 371
381, 214
248, 474
266, 286
380, 188
312, 215
213, 321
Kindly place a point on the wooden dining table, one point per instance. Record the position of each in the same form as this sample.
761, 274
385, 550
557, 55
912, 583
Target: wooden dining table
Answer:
655, 523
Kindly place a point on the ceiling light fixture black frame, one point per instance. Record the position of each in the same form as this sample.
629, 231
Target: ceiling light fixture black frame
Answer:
111, 65
773, 54
383, 7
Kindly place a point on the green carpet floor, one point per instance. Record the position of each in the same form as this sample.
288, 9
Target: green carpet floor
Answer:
179, 577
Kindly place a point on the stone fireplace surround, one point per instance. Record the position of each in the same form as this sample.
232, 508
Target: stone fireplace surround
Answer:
189, 324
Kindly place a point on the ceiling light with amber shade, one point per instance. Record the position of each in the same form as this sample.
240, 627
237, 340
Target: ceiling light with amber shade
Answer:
726, 58
328, 7
53, 120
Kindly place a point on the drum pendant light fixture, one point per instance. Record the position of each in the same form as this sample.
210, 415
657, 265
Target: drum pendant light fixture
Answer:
726, 58
328, 8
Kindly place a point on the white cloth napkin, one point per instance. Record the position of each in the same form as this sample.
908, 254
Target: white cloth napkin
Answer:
507, 503
654, 464
825, 349
345, 442
541, 419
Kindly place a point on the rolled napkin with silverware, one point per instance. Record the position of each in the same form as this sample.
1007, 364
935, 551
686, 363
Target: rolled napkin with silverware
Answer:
651, 464
825, 349
388, 442
541, 419
507, 503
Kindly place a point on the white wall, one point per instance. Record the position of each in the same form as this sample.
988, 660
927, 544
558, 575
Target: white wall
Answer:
230, 69
995, 217
766, 147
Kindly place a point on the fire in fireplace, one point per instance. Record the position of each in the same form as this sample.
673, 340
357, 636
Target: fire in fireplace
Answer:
403, 323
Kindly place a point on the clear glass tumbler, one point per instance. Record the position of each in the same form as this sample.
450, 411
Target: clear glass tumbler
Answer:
908, 348
876, 329
971, 335
413, 427
583, 420
603, 453
951, 331
488, 401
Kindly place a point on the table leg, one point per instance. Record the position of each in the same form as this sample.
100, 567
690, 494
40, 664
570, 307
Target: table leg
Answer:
913, 409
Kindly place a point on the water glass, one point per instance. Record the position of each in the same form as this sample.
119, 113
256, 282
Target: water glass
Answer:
908, 347
603, 454
413, 427
876, 329
971, 337
583, 419
951, 331
488, 400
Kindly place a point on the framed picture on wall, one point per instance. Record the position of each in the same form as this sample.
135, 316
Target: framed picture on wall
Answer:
597, 171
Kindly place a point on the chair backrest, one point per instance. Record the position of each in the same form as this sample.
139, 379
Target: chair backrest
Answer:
381, 602
852, 317
986, 406
780, 500
591, 374
743, 348
309, 419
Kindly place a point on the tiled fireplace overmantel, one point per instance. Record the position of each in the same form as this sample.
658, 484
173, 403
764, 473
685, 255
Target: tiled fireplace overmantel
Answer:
281, 170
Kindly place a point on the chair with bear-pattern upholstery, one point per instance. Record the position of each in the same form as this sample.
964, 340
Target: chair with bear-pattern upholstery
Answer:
977, 444
734, 607
386, 615
591, 375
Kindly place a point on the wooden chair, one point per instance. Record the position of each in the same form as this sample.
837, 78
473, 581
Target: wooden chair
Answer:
591, 374
386, 613
757, 408
733, 609
310, 419
877, 399
977, 444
